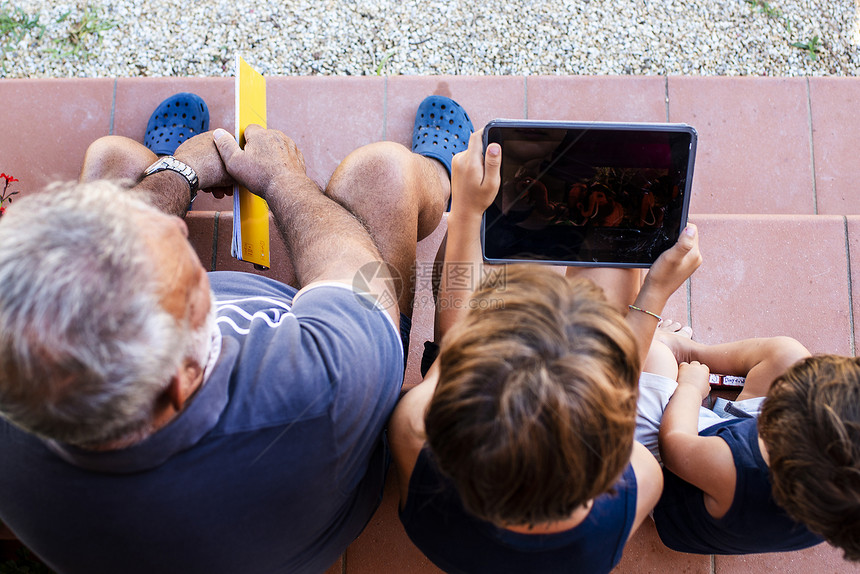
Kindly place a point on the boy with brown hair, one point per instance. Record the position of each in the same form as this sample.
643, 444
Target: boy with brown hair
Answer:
778, 482
516, 453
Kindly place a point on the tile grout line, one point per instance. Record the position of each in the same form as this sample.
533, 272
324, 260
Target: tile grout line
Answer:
113, 107
713, 564
811, 147
690, 302
850, 290
215, 242
385, 108
666, 94
525, 97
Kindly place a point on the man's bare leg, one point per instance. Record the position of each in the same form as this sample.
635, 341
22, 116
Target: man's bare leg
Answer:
116, 158
122, 159
399, 196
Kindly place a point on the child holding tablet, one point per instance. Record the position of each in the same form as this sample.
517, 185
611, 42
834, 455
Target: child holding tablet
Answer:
516, 453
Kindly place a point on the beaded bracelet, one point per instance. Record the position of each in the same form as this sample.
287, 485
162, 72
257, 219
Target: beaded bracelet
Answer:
635, 308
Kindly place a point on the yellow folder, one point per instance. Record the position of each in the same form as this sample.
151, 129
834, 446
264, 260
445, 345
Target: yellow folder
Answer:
250, 212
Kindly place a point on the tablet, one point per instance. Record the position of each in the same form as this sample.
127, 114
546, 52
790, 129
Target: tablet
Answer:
589, 194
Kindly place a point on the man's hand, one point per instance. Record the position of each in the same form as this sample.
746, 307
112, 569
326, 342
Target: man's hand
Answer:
475, 178
675, 265
268, 158
695, 375
201, 154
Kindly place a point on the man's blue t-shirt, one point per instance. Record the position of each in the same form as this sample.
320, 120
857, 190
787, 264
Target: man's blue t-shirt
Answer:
753, 523
275, 464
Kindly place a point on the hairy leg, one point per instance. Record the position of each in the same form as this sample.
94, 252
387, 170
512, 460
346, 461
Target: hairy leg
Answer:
399, 196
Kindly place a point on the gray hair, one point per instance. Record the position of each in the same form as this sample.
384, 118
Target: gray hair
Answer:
86, 348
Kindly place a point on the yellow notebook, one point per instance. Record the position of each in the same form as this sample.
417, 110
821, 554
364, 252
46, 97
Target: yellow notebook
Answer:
250, 212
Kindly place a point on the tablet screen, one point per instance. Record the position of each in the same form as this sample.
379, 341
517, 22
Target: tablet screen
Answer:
588, 194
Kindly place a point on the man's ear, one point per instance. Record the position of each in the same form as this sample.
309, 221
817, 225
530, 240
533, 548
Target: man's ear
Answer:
182, 385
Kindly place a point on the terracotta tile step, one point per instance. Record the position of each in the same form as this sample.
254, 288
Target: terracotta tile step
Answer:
766, 145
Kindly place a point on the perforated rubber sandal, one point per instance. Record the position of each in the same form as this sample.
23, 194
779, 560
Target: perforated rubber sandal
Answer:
176, 119
442, 129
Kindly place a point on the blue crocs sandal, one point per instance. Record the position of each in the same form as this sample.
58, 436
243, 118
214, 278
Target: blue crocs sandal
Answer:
176, 119
442, 129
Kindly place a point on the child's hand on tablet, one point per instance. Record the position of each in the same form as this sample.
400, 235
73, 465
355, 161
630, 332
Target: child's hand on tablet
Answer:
675, 265
475, 178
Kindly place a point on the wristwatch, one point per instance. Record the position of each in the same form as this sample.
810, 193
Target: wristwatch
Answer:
170, 163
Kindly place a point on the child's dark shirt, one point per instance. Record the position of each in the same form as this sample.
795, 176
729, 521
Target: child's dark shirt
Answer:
753, 523
457, 541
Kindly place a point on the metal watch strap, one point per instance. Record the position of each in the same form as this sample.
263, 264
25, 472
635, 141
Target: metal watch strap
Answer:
170, 163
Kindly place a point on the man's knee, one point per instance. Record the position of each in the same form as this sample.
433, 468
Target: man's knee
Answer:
382, 168
115, 157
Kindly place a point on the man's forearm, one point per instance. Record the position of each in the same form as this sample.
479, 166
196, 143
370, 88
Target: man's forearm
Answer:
166, 190
323, 239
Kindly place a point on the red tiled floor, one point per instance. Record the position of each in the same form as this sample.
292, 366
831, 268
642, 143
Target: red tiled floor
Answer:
201, 234
137, 98
47, 126
853, 223
281, 270
676, 308
384, 547
773, 275
483, 98
753, 152
337, 567
598, 98
645, 554
835, 124
327, 117
819, 559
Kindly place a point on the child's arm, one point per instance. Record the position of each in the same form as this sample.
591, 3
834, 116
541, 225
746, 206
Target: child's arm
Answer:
703, 461
474, 183
668, 273
649, 483
760, 360
406, 435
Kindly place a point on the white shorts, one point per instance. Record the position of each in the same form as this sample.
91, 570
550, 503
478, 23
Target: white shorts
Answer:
654, 394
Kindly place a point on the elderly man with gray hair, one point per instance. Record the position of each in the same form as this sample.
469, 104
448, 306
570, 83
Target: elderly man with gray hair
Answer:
159, 418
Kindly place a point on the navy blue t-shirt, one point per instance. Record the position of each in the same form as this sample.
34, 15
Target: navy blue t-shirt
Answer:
458, 542
275, 465
753, 523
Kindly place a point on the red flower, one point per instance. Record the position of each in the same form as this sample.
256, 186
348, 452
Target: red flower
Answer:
4, 197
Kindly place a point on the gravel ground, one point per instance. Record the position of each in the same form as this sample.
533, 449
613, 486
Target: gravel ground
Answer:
366, 37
